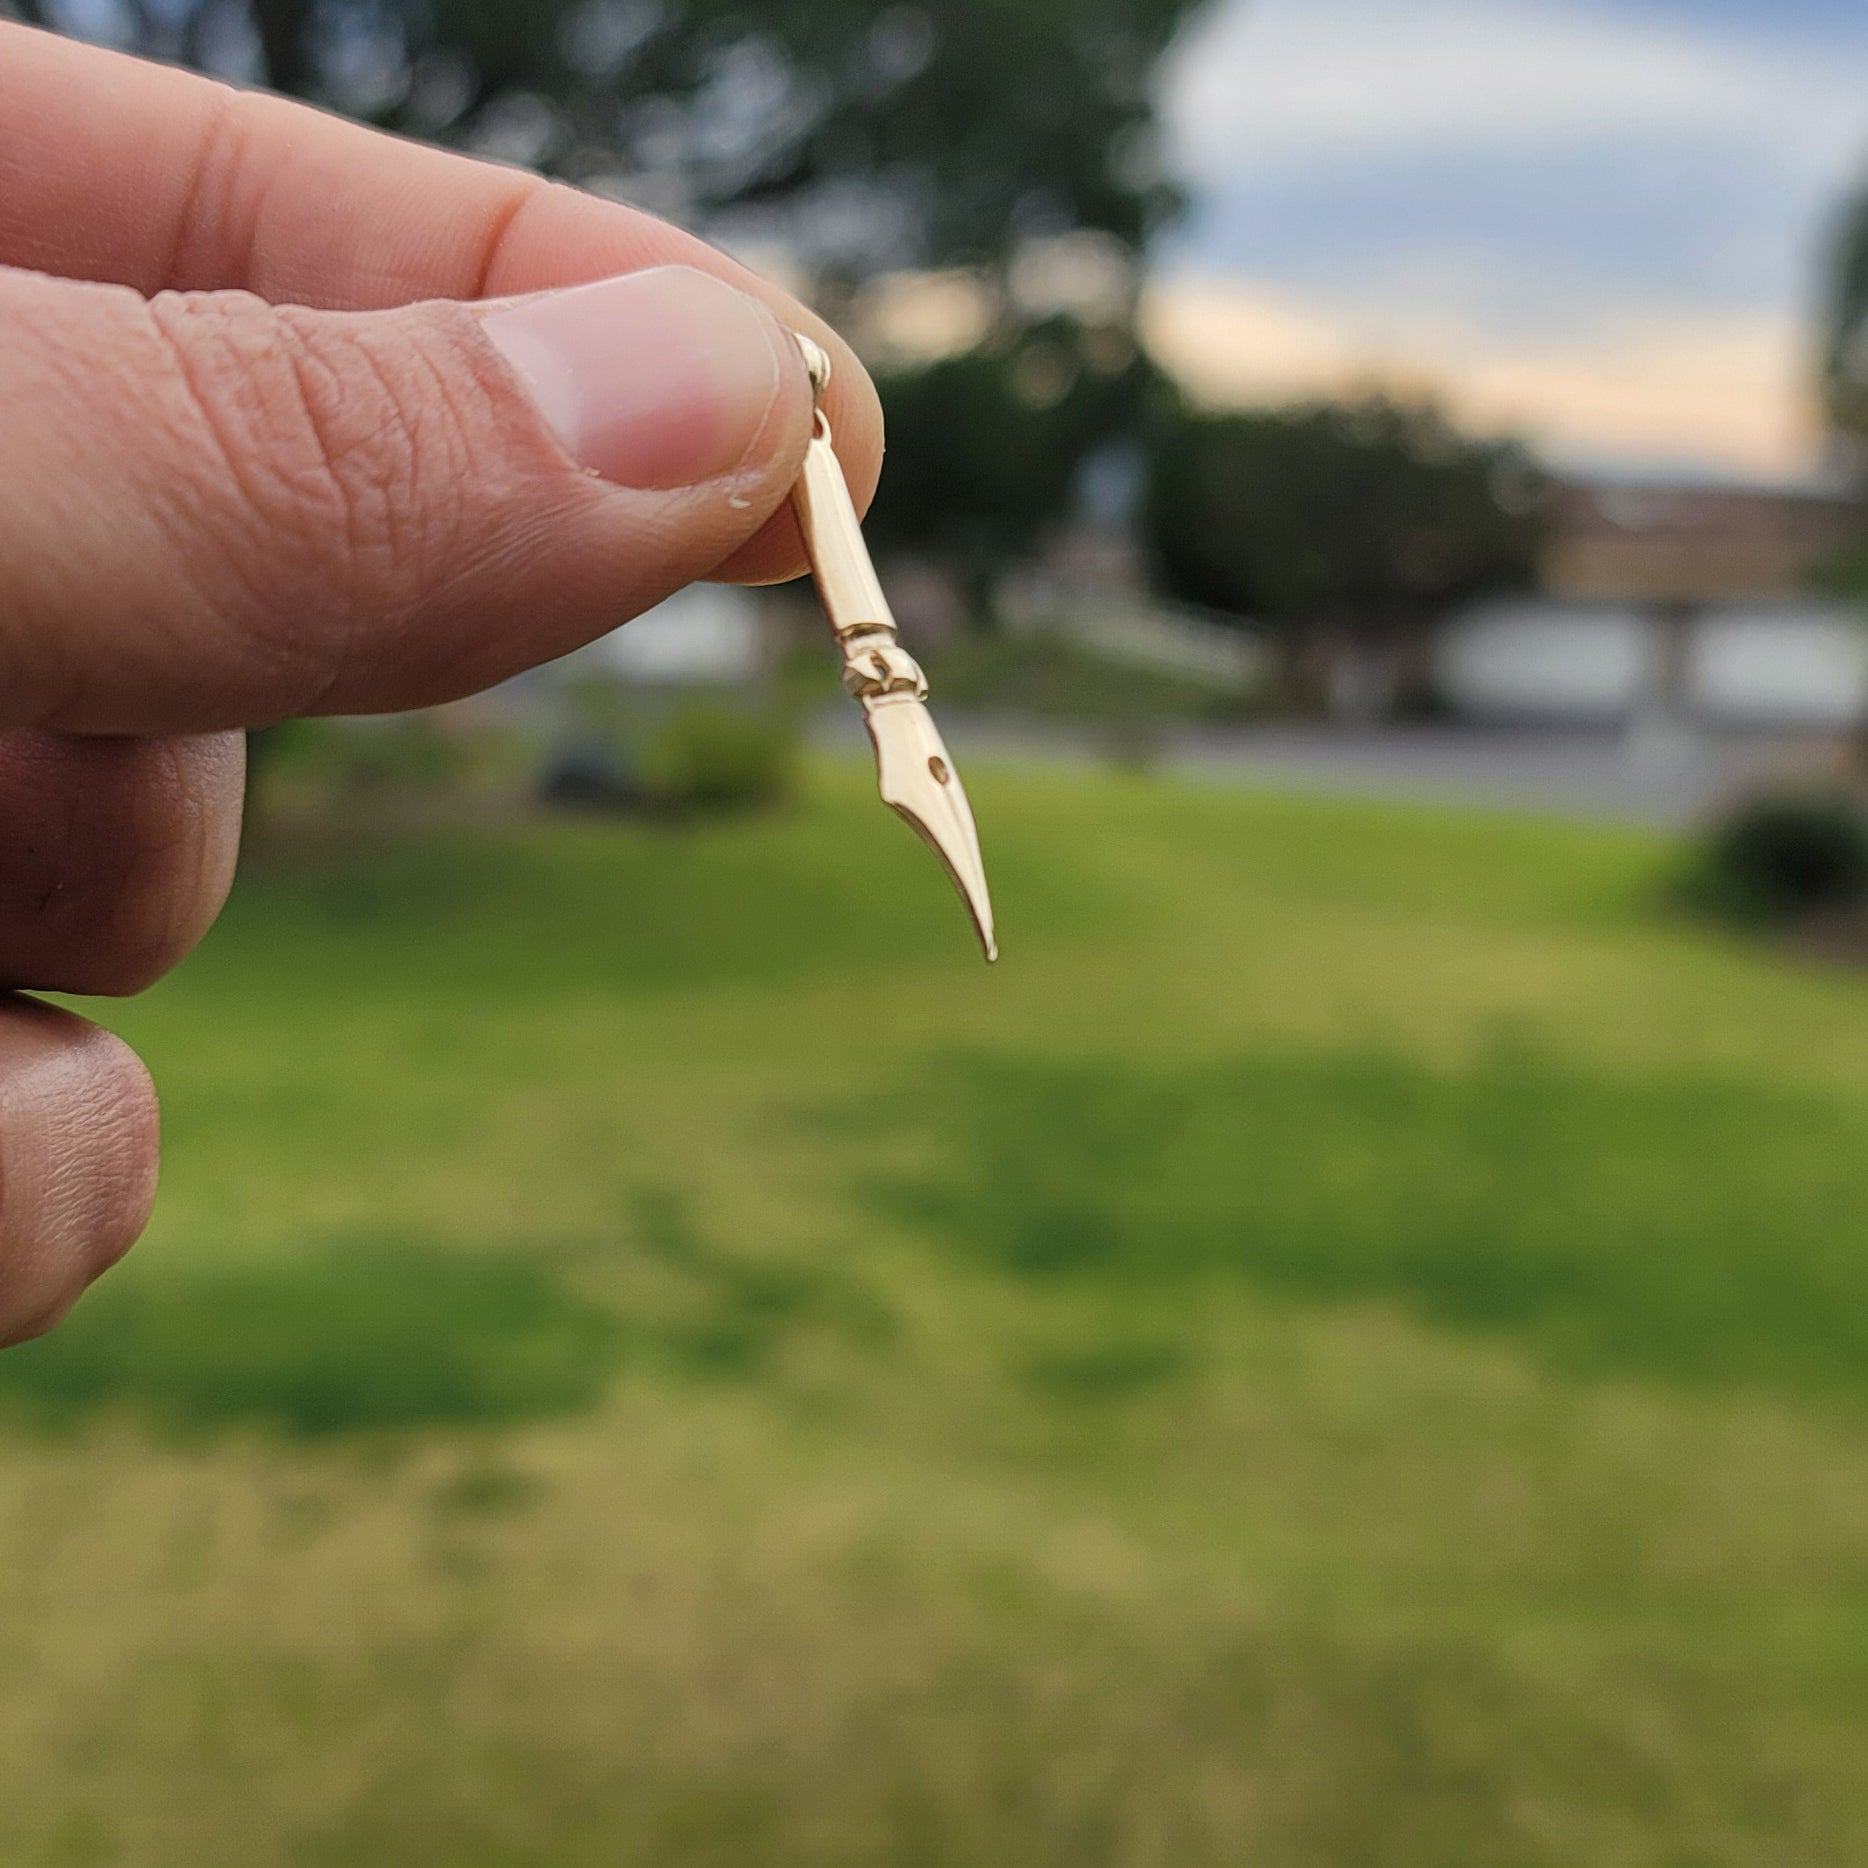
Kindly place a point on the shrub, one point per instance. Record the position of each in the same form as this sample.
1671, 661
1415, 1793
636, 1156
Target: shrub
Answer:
367, 758
1785, 858
709, 756
356, 769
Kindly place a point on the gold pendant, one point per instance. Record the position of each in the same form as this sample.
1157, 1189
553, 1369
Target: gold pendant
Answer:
916, 777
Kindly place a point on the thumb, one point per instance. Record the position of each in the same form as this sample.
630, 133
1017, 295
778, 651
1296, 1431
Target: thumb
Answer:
215, 512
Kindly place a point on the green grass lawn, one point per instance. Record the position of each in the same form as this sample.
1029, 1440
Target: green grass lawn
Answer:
1350, 1347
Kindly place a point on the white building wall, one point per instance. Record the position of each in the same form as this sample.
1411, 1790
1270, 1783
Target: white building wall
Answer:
1792, 665
1535, 659
704, 634
1807, 666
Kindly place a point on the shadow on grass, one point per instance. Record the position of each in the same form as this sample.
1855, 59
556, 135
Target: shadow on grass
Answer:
1682, 1227
726, 1315
366, 1335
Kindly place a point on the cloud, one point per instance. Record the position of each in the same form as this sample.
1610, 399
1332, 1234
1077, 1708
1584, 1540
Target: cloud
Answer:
1520, 240
1723, 391
1596, 220
1269, 84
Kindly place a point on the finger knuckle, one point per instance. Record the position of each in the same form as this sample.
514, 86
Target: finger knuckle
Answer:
325, 442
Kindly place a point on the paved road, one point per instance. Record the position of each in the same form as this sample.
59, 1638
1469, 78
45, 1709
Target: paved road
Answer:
1652, 776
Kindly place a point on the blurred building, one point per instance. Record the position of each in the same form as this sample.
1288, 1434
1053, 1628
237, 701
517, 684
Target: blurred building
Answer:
1663, 545
707, 635
714, 638
1689, 602
1089, 585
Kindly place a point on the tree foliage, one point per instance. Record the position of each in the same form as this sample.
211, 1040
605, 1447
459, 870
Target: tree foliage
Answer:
1845, 354
934, 132
1845, 388
1369, 518
985, 448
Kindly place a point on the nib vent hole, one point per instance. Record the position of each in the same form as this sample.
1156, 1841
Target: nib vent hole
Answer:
938, 767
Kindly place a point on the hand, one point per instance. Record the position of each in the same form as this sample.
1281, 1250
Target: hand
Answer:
300, 419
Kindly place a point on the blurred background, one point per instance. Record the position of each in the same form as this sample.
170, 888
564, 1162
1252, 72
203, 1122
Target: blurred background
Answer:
1351, 1344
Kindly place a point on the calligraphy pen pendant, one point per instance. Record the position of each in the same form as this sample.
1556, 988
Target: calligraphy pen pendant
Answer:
916, 777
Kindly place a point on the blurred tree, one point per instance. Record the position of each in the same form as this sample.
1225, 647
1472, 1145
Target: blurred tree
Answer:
861, 137
1350, 527
1845, 387
986, 448
1845, 350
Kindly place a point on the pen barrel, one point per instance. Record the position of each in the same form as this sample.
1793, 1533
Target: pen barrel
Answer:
833, 540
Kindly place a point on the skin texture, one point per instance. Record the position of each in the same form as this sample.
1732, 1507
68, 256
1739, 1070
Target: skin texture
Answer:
262, 459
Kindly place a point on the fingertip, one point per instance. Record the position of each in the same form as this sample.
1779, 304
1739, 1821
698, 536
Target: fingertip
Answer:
79, 1144
854, 409
659, 379
116, 854
775, 553
127, 1132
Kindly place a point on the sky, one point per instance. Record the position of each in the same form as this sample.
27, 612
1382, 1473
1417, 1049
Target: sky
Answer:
1598, 223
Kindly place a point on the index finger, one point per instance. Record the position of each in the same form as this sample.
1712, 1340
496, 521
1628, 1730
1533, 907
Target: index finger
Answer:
135, 174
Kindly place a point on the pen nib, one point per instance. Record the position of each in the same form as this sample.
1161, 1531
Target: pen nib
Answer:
919, 783
916, 777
